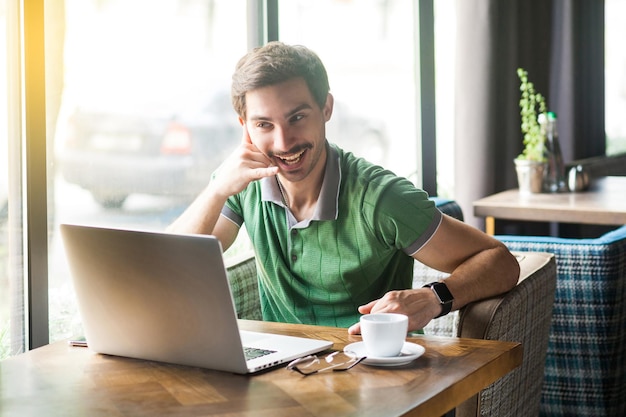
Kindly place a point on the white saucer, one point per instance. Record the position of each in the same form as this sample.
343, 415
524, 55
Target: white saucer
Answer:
410, 352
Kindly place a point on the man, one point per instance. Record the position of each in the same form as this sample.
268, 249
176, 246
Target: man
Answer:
334, 235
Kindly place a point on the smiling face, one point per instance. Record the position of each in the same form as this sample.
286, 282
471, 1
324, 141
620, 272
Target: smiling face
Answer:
286, 124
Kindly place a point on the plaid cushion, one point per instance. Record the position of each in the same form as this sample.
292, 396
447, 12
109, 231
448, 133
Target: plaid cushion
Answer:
244, 287
585, 371
443, 326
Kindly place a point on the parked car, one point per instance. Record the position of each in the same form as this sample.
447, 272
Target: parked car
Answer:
173, 152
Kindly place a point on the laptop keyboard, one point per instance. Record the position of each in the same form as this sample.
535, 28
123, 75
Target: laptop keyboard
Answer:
253, 353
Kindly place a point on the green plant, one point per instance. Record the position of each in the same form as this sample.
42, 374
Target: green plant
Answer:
531, 104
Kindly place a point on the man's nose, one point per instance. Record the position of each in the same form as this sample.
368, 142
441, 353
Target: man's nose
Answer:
283, 138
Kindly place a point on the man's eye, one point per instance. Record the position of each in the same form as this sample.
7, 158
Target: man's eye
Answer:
296, 117
263, 125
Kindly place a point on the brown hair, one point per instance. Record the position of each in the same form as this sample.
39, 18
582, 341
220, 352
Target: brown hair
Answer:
275, 63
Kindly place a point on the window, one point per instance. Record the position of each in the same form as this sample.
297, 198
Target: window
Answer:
445, 36
140, 104
615, 79
12, 305
138, 114
372, 72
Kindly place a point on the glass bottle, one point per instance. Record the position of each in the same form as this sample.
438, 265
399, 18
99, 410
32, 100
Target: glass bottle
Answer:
554, 174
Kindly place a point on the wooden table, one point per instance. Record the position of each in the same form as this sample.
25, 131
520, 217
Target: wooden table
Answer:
59, 380
603, 204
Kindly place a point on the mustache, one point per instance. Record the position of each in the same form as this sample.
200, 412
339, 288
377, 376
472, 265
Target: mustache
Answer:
295, 150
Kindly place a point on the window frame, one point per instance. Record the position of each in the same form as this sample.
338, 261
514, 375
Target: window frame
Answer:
35, 161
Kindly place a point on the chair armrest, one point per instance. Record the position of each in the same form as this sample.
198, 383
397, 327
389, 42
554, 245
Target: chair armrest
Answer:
537, 270
521, 315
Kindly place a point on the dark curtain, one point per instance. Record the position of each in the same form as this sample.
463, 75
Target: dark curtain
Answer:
561, 45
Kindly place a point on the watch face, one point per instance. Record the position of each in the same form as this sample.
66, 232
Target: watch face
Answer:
442, 291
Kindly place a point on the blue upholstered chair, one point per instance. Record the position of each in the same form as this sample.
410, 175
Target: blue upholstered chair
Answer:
585, 373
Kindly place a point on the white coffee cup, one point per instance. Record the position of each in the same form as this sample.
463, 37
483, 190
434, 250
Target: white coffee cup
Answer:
384, 333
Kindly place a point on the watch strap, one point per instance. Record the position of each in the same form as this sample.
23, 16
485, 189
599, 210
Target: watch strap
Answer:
443, 295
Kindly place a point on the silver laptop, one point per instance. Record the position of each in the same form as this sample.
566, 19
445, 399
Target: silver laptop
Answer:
166, 297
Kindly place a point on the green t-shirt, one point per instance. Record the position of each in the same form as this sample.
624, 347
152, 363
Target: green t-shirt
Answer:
356, 247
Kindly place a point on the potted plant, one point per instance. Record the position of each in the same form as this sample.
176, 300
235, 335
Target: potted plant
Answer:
530, 164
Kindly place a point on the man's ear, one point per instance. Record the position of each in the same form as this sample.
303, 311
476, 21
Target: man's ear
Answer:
328, 107
241, 121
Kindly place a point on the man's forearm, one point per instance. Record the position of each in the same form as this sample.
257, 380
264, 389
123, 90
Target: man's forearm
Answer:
201, 215
486, 274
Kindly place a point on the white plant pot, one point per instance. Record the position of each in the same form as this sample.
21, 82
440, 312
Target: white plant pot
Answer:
529, 175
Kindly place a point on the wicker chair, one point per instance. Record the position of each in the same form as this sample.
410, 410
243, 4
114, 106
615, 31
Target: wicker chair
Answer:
585, 371
522, 315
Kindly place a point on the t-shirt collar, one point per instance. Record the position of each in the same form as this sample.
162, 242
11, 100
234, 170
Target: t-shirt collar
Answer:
328, 201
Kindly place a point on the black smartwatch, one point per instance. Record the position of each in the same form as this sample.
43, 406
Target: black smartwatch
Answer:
444, 296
